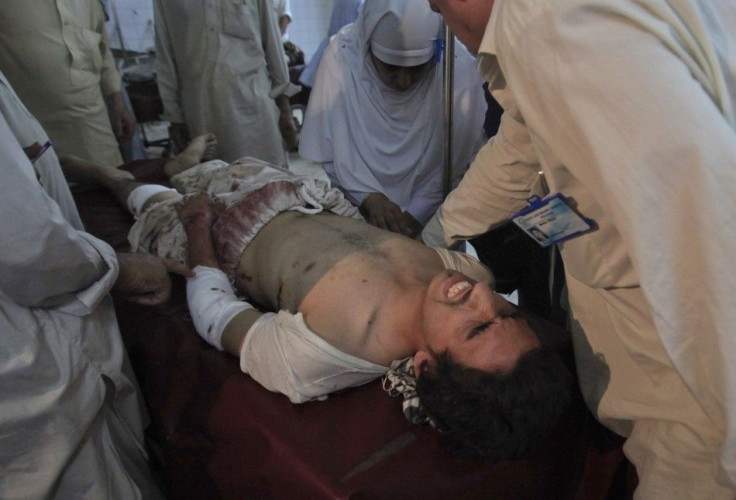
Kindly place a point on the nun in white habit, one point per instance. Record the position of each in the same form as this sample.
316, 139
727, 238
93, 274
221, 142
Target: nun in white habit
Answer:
375, 118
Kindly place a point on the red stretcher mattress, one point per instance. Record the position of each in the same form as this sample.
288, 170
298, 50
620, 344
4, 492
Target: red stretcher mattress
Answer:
215, 433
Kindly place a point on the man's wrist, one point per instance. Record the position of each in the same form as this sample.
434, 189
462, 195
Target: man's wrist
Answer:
198, 222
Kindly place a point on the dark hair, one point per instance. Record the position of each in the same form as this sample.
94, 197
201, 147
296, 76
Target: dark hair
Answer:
496, 416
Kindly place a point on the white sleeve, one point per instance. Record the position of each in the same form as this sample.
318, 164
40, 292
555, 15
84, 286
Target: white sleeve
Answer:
283, 355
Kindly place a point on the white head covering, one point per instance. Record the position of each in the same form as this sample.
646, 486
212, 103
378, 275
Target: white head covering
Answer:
405, 36
372, 138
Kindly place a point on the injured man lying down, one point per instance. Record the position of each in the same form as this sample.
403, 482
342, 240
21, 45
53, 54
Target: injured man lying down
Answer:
313, 300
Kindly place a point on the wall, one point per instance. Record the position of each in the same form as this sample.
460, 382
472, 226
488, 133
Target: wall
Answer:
136, 23
310, 20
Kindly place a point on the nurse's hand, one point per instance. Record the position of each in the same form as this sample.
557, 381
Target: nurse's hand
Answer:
379, 211
413, 225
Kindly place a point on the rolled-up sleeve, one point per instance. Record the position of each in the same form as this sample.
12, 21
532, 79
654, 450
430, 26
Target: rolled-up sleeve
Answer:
501, 178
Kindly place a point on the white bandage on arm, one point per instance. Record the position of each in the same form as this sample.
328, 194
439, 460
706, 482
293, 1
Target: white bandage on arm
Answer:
140, 195
212, 303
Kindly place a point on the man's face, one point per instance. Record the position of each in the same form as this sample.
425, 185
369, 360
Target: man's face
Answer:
478, 327
466, 18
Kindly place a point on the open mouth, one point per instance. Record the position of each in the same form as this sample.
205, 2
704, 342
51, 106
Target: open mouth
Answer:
457, 287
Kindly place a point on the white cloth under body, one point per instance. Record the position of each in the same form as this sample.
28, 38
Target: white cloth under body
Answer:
629, 108
71, 422
56, 55
220, 64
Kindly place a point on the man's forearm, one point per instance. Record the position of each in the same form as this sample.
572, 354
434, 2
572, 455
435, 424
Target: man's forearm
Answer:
283, 104
200, 245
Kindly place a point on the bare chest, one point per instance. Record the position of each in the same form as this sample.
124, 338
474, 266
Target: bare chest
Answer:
345, 282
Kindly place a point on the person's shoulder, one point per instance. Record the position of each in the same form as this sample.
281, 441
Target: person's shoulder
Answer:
463, 57
339, 42
467, 264
336, 60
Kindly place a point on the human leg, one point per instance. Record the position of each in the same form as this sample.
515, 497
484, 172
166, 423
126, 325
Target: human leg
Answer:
200, 149
119, 182
122, 183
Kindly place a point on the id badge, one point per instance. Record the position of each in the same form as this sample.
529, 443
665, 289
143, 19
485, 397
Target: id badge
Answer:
552, 220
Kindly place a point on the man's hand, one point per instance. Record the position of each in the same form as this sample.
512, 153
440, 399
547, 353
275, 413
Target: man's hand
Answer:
288, 129
144, 278
123, 124
196, 206
379, 211
179, 135
289, 132
33, 150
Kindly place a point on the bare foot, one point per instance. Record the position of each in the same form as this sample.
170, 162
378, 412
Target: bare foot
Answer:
201, 148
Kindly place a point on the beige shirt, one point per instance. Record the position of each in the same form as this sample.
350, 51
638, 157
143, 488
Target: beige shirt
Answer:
630, 112
56, 56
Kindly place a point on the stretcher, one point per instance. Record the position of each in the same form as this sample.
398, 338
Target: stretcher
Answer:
216, 433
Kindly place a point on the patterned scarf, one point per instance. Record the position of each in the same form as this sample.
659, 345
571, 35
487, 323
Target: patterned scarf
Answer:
401, 381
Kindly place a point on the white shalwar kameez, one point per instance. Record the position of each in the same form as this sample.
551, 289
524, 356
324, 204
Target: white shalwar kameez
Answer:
373, 139
220, 64
629, 108
70, 419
